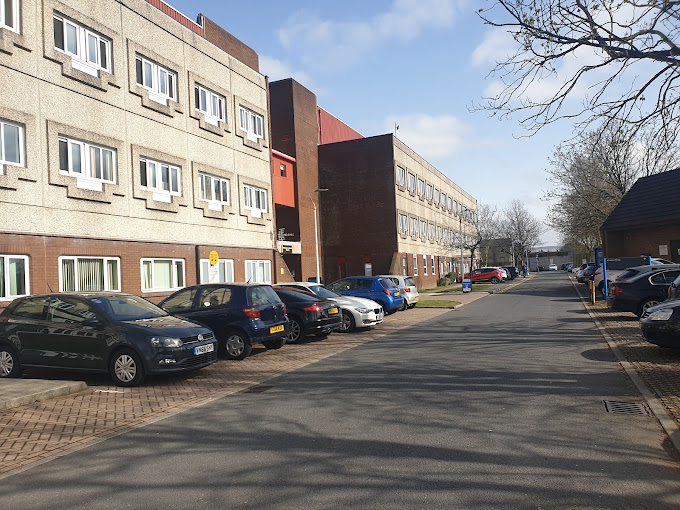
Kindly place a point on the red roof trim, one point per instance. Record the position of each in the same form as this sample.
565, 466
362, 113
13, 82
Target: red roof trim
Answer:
175, 14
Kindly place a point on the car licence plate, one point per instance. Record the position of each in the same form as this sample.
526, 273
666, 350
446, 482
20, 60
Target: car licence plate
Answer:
416, 298
332, 310
202, 349
276, 329
396, 293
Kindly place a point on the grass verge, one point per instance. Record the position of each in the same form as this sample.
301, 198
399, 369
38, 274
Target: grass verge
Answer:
437, 303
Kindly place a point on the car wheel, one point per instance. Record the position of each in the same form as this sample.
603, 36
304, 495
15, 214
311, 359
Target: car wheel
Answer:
126, 368
646, 305
412, 306
404, 305
236, 345
600, 288
495, 280
275, 344
296, 331
9, 362
348, 323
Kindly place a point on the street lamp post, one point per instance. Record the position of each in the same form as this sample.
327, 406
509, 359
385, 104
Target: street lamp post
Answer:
316, 232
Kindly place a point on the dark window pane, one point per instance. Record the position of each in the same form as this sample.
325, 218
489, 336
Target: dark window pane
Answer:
58, 34
138, 65
142, 173
63, 155
103, 55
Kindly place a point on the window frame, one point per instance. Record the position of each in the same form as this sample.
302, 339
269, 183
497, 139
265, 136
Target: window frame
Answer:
204, 276
210, 97
436, 197
86, 169
3, 150
76, 258
6, 276
429, 190
173, 276
155, 93
157, 188
424, 265
16, 17
249, 191
421, 188
413, 226
423, 229
403, 224
202, 178
83, 35
415, 265
401, 176
248, 122
411, 183
267, 270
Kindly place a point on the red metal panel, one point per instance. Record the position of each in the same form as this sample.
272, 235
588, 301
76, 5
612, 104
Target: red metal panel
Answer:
332, 129
283, 186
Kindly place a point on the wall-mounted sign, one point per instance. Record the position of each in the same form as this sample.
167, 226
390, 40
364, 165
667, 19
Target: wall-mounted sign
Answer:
214, 258
663, 250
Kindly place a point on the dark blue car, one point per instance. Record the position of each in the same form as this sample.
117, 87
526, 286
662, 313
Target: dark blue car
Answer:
240, 314
381, 290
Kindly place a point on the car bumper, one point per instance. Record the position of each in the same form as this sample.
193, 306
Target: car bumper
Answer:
183, 358
662, 333
260, 333
324, 324
369, 319
622, 305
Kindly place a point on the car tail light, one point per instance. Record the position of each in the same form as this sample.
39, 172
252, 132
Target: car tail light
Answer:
285, 310
407, 289
312, 308
252, 313
616, 290
386, 291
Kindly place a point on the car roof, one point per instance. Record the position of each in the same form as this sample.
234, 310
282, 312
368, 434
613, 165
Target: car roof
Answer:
87, 295
654, 267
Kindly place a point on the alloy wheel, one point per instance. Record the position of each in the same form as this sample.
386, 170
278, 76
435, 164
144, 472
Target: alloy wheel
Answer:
125, 368
6, 363
295, 331
235, 345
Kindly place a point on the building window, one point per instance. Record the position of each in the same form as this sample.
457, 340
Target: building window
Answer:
13, 276
401, 176
421, 188
255, 200
251, 123
162, 274
431, 232
403, 224
411, 183
9, 15
224, 271
89, 51
210, 104
443, 200
159, 81
429, 192
414, 227
87, 274
283, 170
423, 229
432, 265
415, 266
449, 204
87, 162
439, 234
11, 145
258, 271
214, 189
436, 197
445, 235
404, 266
455, 207
161, 178
424, 265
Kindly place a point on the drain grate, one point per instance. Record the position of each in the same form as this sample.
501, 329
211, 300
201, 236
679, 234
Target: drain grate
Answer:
259, 388
631, 408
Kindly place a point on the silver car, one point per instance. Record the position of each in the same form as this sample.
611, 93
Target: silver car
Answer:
356, 312
408, 287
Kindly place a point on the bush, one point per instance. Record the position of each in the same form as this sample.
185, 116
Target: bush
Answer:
443, 282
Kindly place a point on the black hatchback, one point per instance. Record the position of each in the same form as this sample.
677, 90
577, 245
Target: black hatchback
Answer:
309, 314
120, 333
240, 314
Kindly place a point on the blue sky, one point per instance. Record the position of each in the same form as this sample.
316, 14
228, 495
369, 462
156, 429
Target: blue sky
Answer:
419, 63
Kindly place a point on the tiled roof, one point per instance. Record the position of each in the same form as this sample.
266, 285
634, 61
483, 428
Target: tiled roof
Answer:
650, 201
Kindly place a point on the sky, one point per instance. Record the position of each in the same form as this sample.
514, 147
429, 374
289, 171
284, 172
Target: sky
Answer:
420, 64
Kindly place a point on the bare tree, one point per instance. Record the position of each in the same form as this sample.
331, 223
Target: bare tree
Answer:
611, 42
480, 228
520, 226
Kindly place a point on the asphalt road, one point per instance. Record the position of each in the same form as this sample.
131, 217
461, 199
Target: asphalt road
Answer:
495, 405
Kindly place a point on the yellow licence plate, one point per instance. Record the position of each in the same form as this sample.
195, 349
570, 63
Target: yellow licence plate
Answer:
276, 329
396, 293
332, 310
416, 299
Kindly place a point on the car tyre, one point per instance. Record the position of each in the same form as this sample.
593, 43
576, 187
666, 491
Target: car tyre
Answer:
126, 368
297, 331
9, 362
412, 306
275, 344
495, 280
646, 305
236, 345
348, 323
404, 305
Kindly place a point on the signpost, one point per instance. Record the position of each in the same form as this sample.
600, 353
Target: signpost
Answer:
467, 285
213, 271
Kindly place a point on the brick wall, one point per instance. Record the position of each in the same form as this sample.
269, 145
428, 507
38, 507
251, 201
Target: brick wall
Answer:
642, 241
227, 42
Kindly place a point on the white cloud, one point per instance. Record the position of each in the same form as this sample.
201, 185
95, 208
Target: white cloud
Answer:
329, 45
279, 70
497, 46
432, 137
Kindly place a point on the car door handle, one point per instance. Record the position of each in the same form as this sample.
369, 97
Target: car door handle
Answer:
44, 331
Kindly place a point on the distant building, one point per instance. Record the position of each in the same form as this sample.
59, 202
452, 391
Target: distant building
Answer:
647, 219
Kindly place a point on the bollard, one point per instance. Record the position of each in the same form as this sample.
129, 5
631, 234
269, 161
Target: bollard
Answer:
591, 286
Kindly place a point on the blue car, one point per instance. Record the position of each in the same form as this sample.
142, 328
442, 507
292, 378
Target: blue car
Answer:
381, 290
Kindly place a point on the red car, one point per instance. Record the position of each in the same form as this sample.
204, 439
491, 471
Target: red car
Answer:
485, 274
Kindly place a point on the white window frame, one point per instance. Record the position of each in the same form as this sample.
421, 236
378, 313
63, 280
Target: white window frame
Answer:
442, 202
228, 265
14, 27
433, 265
411, 182
207, 194
22, 156
156, 72
252, 268
424, 265
423, 229
415, 265
75, 259
211, 104
401, 176
252, 123
251, 196
431, 231
5, 260
84, 42
436, 197
449, 204
158, 168
174, 277
403, 224
414, 225
429, 190
421, 188
439, 233
85, 174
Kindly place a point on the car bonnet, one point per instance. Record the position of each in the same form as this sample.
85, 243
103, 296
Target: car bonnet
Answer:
166, 325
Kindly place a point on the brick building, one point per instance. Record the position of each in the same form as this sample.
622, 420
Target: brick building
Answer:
135, 142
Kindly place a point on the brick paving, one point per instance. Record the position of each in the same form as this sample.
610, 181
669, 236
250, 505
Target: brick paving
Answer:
34, 432
659, 368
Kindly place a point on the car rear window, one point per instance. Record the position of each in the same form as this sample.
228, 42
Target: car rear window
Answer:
388, 284
628, 273
409, 282
31, 308
262, 295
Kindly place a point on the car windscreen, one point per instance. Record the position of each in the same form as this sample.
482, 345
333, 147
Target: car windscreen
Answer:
388, 284
262, 295
127, 308
409, 282
322, 291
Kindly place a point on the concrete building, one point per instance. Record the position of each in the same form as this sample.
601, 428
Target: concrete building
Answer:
135, 143
387, 210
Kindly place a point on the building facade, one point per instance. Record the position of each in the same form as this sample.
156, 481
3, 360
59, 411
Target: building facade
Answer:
135, 143
387, 210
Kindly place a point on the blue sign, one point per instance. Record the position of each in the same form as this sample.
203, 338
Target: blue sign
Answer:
467, 285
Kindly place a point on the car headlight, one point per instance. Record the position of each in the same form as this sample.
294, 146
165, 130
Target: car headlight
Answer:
661, 315
364, 310
165, 341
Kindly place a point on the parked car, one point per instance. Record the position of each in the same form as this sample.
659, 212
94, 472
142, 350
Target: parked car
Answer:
585, 275
122, 334
240, 314
378, 289
660, 324
642, 287
504, 272
408, 286
552, 267
309, 314
568, 267
576, 269
613, 272
513, 272
356, 312
484, 274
